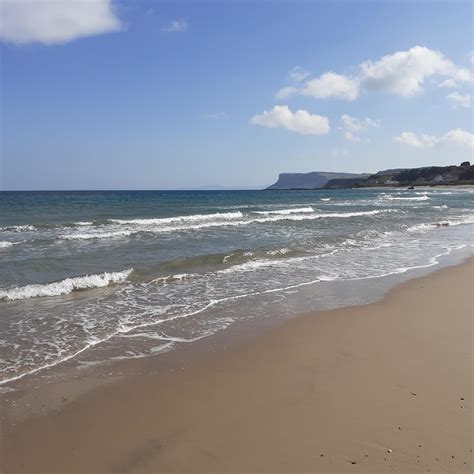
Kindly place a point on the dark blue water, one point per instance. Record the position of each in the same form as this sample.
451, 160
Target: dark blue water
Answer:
137, 272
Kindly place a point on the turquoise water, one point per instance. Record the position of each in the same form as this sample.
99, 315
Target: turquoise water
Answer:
100, 275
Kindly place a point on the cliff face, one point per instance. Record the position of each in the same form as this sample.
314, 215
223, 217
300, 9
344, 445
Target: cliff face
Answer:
428, 176
313, 180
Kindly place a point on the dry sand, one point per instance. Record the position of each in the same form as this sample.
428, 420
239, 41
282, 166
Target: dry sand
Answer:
385, 387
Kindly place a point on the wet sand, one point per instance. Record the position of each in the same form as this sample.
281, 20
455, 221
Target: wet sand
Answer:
375, 388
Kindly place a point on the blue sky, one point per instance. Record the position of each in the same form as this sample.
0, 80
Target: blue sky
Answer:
165, 95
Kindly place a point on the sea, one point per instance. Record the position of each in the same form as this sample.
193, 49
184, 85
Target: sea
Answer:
96, 276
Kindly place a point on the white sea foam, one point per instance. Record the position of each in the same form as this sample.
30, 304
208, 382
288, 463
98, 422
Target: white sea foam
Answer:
18, 228
65, 286
284, 212
96, 235
180, 219
389, 197
325, 199
282, 251
327, 215
175, 277
188, 223
447, 223
5, 244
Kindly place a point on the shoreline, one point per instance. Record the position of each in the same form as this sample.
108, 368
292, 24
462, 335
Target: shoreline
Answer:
318, 392
352, 292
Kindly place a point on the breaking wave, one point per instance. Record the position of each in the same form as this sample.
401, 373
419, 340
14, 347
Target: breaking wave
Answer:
180, 219
65, 286
96, 235
411, 198
284, 212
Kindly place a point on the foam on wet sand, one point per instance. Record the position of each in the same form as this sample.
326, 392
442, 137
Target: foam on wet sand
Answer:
374, 388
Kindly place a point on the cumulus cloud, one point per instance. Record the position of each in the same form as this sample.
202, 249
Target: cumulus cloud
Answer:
461, 100
353, 127
417, 140
300, 121
331, 85
460, 137
55, 22
456, 136
404, 72
176, 26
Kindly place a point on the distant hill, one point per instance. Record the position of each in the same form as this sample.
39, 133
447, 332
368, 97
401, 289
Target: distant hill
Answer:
312, 180
426, 176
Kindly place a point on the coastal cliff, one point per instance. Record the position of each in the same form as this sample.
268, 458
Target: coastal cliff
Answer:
312, 180
425, 176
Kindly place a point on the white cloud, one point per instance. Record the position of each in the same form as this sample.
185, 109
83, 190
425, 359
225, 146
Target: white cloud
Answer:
404, 72
298, 74
55, 22
300, 121
354, 127
456, 136
448, 84
462, 100
417, 140
176, 26
331, 85
285, 92
460, 137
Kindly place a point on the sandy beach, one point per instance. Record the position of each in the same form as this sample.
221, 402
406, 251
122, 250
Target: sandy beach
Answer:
385, 387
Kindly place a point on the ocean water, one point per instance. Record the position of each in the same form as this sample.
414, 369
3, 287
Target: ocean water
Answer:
109, 275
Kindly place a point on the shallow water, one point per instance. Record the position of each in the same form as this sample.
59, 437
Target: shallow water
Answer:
129, 274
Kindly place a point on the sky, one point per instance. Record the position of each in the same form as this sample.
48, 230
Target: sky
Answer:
123, 94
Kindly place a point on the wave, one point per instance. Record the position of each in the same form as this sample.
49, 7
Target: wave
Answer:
64, 287
282, 251
440, 224
284, 212
174, 278
334, 214
180, 219
325, 199
18, 228
412, 198
5, 244
96, 235
201, 222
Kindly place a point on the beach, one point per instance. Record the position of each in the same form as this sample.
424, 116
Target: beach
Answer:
383, 387
236, 237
